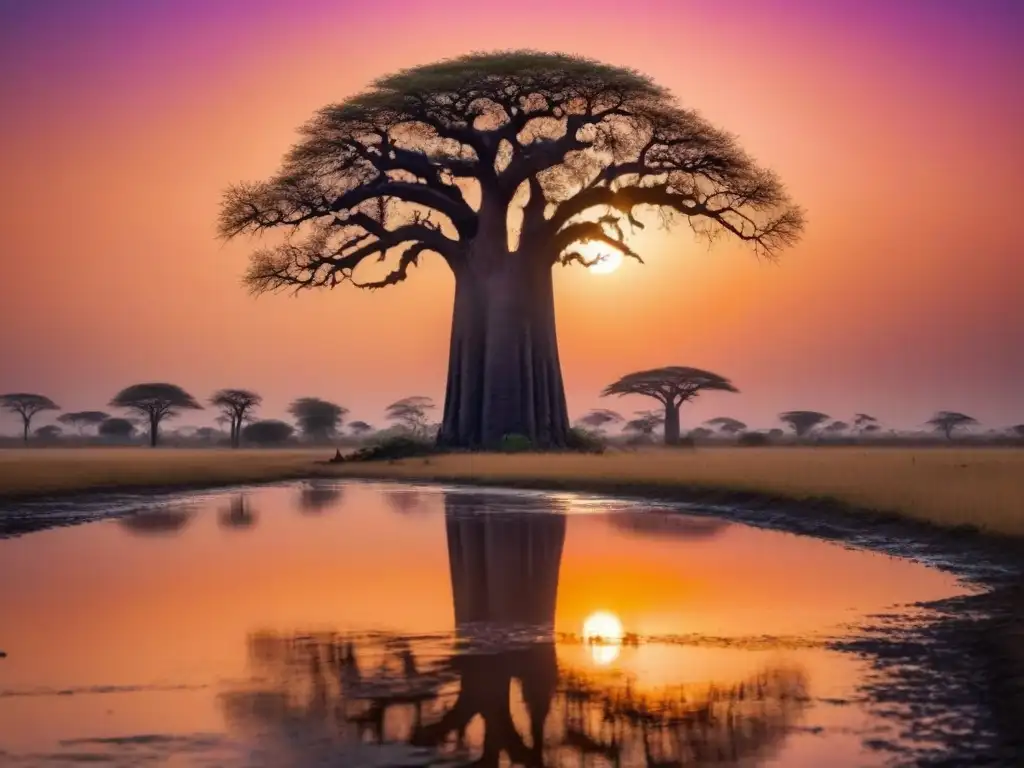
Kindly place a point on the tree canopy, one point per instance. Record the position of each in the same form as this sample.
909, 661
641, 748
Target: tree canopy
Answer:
803, 422
236, 405
726, 424
82, 419
360, 427
948, 422
26, 405
318, 419
116, 428
267, 432
598, 418
155, 402
411, 413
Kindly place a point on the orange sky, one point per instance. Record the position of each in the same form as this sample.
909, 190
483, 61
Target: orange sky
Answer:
897, 129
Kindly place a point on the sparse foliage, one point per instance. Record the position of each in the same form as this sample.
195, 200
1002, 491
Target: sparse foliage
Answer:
802, 422
155, 402
948, 422
863, 422
26, 405
360, 428
441, 158
79, 420
644, 423
411, 414
837, 427
236, 405
267, 432
318, 419
671, 386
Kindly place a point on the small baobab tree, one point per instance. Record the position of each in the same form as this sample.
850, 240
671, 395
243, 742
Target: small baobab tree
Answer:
502, 164
671, 386
155, 402
26, 405
80, 420
412, 414
236, 406
318, 419
948, 422
802, 422
726, 425
599, 418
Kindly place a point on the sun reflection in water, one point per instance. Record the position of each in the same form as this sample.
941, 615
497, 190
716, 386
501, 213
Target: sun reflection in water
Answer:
602, 631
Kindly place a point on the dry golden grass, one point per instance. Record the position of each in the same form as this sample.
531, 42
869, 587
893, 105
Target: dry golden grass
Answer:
948, 487
40, 471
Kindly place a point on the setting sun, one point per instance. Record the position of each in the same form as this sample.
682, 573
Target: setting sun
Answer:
603, 632
610, 258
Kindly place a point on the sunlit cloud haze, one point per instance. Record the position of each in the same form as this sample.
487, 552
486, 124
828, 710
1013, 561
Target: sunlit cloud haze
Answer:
896, 125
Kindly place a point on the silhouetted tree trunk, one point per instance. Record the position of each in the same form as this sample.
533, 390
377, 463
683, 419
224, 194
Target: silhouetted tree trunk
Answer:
25, 422
154, 430
671, 424
504, 375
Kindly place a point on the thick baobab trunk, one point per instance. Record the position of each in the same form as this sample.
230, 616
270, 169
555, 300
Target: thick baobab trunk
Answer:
504, 375
671, 424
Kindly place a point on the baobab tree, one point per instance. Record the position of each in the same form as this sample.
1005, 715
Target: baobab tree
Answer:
599, 418
236, 406
803, 422
79, 420
671, 386
503, 165
155, 402
726, 425
26, 405
948, 421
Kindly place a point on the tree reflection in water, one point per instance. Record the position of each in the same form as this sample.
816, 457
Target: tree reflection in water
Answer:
495, 687
319, 496
165, 521
238, 514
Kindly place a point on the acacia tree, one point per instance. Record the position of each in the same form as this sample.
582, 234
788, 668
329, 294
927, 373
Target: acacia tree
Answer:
236, 406
726, 425
803, 422
948, 421
26, 405
360, 428
82, 419
118, 429
155, 402
502, 164
671, 386
411, 413
599, 418
837, 427
644, 423
48, 432
318, 419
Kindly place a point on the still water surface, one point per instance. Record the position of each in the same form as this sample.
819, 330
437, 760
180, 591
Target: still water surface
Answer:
387, 625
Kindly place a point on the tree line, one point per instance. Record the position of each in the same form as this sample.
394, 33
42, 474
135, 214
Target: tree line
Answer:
150, 405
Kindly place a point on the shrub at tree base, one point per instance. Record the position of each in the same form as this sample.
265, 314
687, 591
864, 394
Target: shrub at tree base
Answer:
403, 446
515, 443
584, 442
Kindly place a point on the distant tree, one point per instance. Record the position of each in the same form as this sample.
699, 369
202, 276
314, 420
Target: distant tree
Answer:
411, 413
599, 418
79, 420
700, 433
837, 427
155, 402
48, 432
360, 428
803, 422
726, 425
1018, 429
236, 405
644, 424
116, 428
671, 386
863, 422
948, 421
208, 434
775, 434
869, 428
26, 405
318, 419
267, 432
473, 142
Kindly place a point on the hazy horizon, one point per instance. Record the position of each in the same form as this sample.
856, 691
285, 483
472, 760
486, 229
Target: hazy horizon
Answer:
896, 126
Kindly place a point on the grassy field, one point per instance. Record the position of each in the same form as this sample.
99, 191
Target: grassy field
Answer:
946, 486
